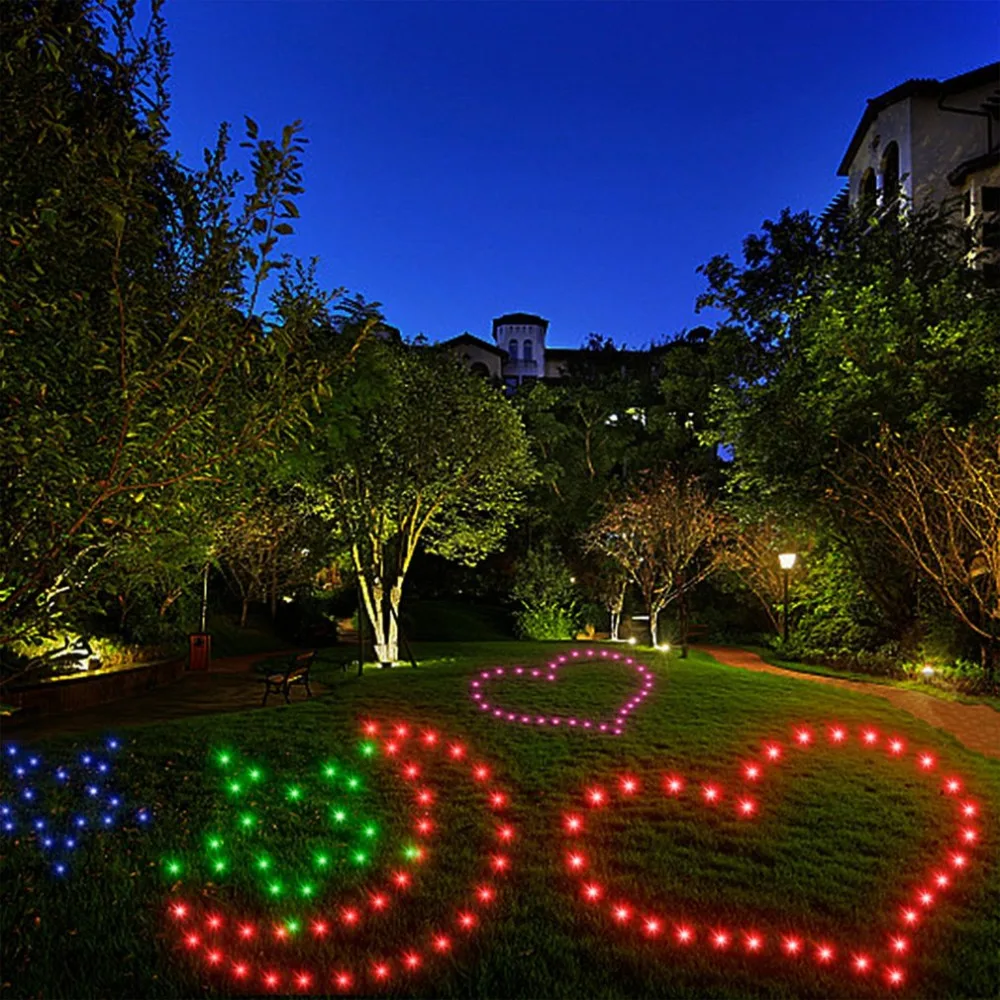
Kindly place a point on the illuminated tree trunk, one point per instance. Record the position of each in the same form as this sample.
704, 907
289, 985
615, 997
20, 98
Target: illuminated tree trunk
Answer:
654, 615
615, 609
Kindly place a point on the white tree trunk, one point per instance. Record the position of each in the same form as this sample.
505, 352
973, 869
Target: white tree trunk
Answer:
653, 620
616, 620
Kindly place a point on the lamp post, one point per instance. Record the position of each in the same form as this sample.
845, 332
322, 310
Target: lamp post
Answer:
787, 561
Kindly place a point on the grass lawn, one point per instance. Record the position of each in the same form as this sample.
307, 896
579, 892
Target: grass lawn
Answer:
842, 838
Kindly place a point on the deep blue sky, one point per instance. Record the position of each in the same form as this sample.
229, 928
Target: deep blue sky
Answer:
575, 160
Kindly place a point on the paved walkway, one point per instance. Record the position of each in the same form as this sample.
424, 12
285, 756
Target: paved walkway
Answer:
975, 726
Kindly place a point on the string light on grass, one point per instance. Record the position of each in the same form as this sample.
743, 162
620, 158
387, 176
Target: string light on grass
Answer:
613, 724
920, 902
230, 944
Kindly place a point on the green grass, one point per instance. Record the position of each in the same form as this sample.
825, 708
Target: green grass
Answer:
840, 835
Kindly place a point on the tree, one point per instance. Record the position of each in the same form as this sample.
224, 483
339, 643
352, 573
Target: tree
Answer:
938, 497
134, 363
437, 458
667, 535
828, 335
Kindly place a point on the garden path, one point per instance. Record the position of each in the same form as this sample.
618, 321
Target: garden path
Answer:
975, 726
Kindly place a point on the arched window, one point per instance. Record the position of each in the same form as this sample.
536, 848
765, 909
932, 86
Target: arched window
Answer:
527, 351
480, 369
890, 174
512, 350
868, 191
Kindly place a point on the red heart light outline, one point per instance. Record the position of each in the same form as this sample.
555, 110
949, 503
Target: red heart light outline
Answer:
792, 944
205, 931
614, 726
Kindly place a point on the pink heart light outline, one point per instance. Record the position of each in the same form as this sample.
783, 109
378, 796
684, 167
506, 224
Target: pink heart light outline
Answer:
615, 727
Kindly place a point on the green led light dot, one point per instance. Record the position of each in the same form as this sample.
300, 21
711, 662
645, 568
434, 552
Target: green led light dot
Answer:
339, 816
411, 853
293, 926
353, 783
235, 788
219, 866
369, 831
322, 860
329, 770
294, 793
306, 889
368, 749
214, 843
248, 820
274, 888
359, 857
224, 758
255, 774
173, 866
263, 864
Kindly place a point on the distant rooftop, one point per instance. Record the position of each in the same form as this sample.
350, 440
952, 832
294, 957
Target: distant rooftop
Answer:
520, 319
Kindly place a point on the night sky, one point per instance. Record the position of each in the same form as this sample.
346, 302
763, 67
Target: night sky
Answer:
575, 160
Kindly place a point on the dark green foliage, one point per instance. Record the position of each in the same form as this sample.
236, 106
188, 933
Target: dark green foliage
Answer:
547, 594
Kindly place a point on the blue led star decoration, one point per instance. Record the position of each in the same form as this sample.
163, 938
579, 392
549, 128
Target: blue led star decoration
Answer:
55, 808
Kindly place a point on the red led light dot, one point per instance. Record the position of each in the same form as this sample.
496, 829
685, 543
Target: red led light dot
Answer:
597, 796
925, 898
958, 861
392, 748
303, 980
485, 894
674, 785
824, 954
411, 771
803, 737
573, 824
969, 809
179, 911
247, 931
629, 786
281, 932
592, 893
622, 914
430, 738
481, 772
792, 945
651, 927
456, 751
772, 752
343, 980
349, 917
192, 940
751, 772
378, 901
240, 970
926, 761
838, 734
425, 826
720, 939
214, 922
899, 945
910, 917
746, 807
320, 927
497, 800
500, 862
380, 971
402, 731
411, 960
401, 879
370, 728
896, 747
870, 737
466, 921
272, 980
952, 786
425, 796
754, 942
861, 964
894, 976
505, 833
970, 835
442, 942
576, 862
214, 957
684, 934
710, 793
941, 880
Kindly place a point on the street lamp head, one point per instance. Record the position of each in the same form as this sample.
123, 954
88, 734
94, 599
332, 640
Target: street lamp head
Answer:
787, 560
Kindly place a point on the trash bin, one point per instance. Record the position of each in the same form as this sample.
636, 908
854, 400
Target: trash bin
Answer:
199, 651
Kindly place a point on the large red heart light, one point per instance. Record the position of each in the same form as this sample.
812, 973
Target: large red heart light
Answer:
613, 725
883, 958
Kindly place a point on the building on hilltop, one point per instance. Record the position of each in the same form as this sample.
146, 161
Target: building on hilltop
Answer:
931, 141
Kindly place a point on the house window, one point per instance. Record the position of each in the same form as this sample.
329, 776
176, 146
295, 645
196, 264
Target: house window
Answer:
991, 235
867, 192
991, 199
512, 350
527, 348
511, 382
890, 174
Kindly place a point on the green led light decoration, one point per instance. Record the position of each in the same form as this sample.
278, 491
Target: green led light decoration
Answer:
300, 887
330, 802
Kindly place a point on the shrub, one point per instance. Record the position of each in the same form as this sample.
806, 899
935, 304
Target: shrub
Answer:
544, 588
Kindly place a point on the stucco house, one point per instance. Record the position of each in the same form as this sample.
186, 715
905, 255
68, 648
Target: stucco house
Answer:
933, 141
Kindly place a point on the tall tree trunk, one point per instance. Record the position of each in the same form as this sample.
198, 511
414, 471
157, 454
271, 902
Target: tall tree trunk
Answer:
654, 615
684, 623
243, 612
616, 620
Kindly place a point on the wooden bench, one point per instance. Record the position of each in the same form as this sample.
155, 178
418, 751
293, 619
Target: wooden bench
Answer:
296, 672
